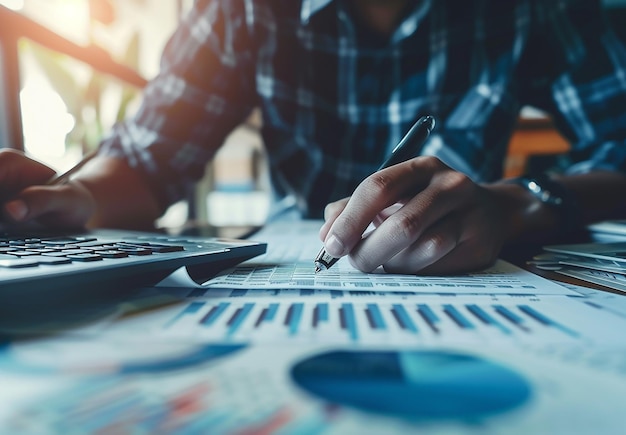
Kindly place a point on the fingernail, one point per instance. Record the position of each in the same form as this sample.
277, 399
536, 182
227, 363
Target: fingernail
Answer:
16, 209
334, 246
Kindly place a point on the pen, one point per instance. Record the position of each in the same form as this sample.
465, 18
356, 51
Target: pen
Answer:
406, 149
60, 179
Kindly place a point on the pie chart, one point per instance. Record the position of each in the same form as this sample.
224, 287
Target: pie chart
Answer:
413, 385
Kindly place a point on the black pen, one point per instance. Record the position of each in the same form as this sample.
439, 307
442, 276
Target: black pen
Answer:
410, 144
64, 177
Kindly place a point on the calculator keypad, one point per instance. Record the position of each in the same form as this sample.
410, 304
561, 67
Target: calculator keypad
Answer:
31, 252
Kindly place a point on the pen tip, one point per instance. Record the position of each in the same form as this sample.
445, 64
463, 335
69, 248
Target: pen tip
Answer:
318, 269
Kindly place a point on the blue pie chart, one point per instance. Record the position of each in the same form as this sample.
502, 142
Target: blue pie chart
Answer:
413, 385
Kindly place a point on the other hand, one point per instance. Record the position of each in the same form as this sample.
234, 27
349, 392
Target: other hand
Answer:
26, 199
428, 219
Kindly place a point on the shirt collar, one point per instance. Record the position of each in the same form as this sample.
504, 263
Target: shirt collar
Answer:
406, 28
310, 8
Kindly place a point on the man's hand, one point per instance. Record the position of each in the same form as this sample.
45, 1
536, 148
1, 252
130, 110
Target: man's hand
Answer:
27, 200
428, 217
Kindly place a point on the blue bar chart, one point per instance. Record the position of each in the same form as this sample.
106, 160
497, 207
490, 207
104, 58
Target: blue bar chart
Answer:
374, 321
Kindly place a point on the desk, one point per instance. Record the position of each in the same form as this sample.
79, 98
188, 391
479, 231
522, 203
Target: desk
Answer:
329, 361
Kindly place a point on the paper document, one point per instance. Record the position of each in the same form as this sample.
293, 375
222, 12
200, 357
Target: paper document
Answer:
611, 302
288, 263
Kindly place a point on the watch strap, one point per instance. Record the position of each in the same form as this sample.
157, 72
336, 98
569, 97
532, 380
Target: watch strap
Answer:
554, 195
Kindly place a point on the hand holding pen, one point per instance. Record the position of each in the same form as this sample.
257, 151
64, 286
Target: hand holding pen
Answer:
32, 194
407, 148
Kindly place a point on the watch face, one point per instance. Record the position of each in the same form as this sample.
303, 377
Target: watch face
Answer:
545, 189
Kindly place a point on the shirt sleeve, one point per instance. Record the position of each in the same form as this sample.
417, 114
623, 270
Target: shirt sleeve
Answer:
204, 89
578, 70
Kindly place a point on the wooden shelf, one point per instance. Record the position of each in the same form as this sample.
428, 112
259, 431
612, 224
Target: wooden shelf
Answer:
533, 136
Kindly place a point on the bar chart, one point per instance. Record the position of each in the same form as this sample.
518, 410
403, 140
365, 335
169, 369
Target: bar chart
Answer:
362, 320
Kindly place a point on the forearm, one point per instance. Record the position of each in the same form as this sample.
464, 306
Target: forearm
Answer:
122, 197
599, 195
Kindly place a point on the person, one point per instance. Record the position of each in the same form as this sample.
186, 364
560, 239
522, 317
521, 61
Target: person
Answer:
338, 83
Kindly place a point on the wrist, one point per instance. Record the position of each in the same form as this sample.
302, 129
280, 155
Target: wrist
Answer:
86, 201
122, 198
555, 199
520, 212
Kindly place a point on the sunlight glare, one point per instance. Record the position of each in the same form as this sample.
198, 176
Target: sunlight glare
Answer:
45, 118
14, 5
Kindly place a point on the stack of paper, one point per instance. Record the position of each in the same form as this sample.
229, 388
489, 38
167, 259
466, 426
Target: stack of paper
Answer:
599, 263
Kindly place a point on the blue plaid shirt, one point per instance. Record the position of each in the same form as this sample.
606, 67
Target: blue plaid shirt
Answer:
336, 98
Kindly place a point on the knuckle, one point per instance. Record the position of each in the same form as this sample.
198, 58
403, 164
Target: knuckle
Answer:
435, 244
453, 180
330, 210
361, 262
346, 224
430, 163
377, 184
407, 225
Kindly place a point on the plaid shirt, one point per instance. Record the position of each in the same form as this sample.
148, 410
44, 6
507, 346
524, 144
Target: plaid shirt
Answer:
336, 98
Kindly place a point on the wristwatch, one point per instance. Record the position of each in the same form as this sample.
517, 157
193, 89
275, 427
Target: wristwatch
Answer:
555, 196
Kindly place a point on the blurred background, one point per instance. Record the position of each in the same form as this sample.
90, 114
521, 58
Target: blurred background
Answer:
71, 68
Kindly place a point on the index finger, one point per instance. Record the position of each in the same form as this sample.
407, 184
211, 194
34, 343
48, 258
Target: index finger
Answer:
377, 192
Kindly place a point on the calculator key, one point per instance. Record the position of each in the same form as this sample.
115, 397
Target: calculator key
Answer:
102, 248
34, 245
57, 242
93, 244
42, 250
50, 261
161, 249
112, 254
81, 239
12, 262
134, 251
76, 251
154, 247
84, 257
23, 253
54, 254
